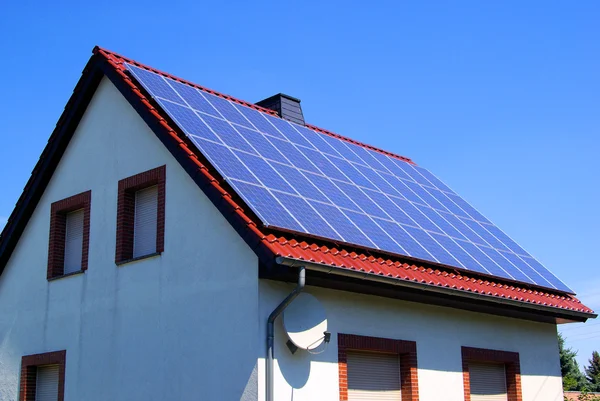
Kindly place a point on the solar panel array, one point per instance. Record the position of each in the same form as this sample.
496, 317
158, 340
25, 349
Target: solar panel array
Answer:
298, 179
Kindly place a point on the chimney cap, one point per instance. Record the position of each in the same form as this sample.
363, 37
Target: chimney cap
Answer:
274, 97
288, 107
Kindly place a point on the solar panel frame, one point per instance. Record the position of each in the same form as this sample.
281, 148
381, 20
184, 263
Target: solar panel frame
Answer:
273, 163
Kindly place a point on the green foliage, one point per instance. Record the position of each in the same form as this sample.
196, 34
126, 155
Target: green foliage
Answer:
592, 372
586, 396
573, 379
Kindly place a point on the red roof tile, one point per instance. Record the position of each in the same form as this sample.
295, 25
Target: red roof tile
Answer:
364, 261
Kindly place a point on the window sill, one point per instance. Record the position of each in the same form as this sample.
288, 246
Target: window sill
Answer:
67, 275
150, 255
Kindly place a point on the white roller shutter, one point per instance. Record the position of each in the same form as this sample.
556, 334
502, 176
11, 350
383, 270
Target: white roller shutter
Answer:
46, 386
144, 230
373, 376
488, 381
73, 242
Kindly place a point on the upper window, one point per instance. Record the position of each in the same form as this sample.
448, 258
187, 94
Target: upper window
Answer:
141, 215
69, 235
491, 375
373, 368
43, 377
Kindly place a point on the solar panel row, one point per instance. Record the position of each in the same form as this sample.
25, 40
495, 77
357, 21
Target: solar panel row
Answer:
298, 179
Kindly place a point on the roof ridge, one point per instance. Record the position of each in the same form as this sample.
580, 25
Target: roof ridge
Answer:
108, 53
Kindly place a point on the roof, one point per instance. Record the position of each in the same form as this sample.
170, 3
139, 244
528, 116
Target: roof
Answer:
270, 245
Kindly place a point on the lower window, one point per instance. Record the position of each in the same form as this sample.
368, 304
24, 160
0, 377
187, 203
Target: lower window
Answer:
373, 368
373, 376
491, 375
487, 381
43, 377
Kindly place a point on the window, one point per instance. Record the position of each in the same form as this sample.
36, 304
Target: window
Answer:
69, 235
43, 377
490, 375
373, 368
46, 383
141, 215
373, 376
487, 381
144, 222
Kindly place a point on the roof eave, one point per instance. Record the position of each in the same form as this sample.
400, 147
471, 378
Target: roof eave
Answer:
499, 305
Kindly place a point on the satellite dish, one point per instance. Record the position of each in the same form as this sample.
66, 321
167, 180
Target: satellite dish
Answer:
305, 322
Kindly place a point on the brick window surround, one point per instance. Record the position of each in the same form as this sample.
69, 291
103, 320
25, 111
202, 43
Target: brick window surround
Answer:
510, 361
126, 211
58, 228
29, 366
406, 350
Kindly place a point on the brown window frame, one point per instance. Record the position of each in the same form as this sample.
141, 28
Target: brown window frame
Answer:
29, 365
126, 212
406, 350
511, 363
58, 225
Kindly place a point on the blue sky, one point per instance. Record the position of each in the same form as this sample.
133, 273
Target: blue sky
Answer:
499, 99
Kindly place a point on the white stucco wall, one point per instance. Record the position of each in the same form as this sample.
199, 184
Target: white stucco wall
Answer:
183, 325
439, 333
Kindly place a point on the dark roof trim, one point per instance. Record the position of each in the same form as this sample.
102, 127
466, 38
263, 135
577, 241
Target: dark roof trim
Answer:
44, 169
470, 300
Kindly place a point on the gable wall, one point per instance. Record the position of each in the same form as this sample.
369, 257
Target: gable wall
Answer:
145, 330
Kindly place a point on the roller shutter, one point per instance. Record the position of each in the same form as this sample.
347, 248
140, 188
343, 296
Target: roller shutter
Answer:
73, 242
145, 218
373, 376
46, 386
488, 381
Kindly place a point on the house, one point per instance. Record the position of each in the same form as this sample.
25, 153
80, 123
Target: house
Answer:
136, 266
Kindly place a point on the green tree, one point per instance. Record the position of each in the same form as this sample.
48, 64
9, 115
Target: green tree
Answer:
592, 372
573, 379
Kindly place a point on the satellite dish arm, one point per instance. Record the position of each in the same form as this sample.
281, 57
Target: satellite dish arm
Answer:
271, 329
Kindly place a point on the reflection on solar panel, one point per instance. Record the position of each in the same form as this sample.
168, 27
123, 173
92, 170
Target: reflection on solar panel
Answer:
298, 179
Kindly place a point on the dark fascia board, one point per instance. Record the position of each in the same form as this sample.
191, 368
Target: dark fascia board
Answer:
51, 155
372, 284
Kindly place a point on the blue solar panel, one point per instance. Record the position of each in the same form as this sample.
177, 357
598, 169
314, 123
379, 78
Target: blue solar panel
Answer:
323, 164
298, 179
268, 207
340, 222
307, 216
194, 98
352, 173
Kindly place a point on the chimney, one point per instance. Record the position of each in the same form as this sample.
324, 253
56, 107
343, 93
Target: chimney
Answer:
286, 106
